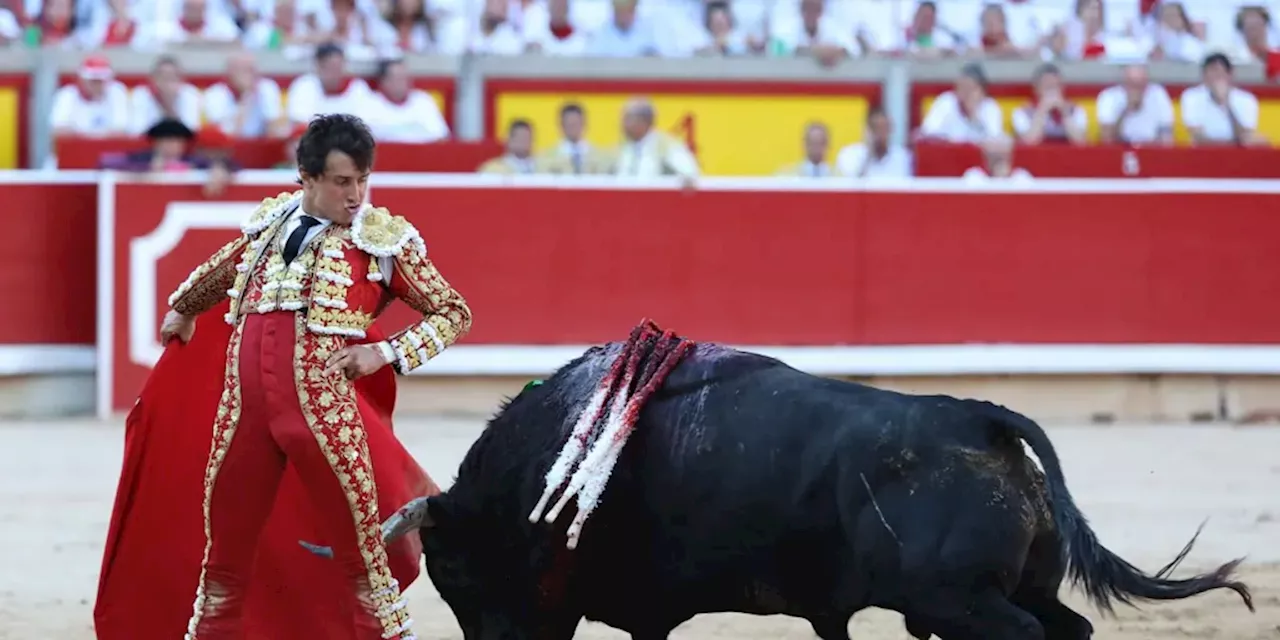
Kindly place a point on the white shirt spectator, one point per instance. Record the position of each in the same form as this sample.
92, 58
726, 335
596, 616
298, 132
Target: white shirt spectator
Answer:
156, 34
856, 161
654, 155
792, 34
504, 40
1179, 46
1200, 111
222, 108
417, 40
144, 109
1054, 130
308, 99
609, 41
947, 121
257, 35
416, 120
942, 39
9, 28
105, 117
1146, 125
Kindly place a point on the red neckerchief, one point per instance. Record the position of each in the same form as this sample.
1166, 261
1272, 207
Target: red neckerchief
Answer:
991, 42
562, 31
120, 32
192, 27
1056, 116
342, 87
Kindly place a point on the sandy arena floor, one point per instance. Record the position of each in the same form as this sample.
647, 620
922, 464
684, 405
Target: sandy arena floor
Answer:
1145, 489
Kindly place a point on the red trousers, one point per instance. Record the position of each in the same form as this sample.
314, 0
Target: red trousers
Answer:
277, 408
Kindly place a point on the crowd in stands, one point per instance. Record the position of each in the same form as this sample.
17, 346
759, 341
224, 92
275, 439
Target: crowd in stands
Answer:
829, 30
245, 105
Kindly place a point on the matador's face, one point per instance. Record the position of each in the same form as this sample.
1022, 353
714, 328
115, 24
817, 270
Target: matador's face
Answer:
338, 193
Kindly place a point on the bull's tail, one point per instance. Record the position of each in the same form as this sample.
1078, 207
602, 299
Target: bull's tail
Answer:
1103, 575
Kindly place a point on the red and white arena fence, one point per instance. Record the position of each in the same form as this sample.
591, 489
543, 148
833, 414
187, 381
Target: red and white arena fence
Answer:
928, 277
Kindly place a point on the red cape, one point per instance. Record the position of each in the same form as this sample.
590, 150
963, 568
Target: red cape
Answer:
156, 537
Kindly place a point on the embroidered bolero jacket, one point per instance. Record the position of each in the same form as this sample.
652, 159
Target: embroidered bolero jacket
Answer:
338, 280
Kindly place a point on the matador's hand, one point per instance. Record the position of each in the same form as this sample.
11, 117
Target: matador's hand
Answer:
178, 326
355, 361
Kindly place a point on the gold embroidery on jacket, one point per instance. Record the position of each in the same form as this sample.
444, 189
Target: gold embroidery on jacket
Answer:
330, 409
224, 429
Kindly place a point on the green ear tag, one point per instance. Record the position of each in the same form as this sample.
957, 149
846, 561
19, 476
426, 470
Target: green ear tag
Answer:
531, 384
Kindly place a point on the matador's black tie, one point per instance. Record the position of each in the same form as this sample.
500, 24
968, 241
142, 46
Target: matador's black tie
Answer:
294, 243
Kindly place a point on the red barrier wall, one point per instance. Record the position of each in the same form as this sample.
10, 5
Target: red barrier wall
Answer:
740, 265
48, 271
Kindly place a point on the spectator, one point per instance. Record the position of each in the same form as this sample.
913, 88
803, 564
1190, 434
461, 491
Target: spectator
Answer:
648, 153
1084, 36
966, 113
245, 105
10, 30
995, 39
353, 30
167, 96
1176, 39
1215, 112
925, 38
170, 141
410, 28
1256, 40
1136, 111
519, 156
117, 28
171, 152
197, 25
875, 156
816, 34
574, 154
95, 106
495, 34
57, 25
817, 144
1051, 118
721, 36
400, 113
555, 33
284, 28
997, 155
329, 89
625, 35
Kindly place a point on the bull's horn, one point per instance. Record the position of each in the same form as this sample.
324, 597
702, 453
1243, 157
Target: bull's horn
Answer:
323, 552
407, 518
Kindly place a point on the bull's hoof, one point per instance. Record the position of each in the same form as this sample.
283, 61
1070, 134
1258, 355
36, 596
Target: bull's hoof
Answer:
323, 552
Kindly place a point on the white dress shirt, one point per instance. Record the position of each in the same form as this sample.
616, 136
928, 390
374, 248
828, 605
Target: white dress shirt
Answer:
855, 161
1213, 120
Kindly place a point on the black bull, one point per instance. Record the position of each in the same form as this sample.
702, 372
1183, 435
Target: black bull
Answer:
749, 486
